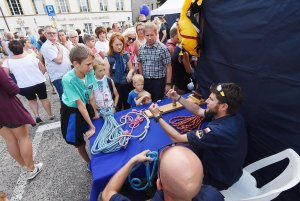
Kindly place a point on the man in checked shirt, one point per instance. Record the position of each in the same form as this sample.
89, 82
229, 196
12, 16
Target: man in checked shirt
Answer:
155, 64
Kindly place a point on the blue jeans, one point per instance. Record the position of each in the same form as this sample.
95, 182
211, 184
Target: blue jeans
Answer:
58, 86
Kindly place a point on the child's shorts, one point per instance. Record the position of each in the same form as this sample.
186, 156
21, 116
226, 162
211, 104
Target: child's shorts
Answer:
73, 125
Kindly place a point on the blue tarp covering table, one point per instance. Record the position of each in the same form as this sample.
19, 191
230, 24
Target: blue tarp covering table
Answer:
105, 165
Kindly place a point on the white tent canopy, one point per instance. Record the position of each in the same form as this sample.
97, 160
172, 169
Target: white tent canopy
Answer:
169, 7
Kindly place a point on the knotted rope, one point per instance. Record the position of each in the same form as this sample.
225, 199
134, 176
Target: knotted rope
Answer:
136, 183
112, 137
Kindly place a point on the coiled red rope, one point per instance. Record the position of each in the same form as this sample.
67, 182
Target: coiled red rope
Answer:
186, 124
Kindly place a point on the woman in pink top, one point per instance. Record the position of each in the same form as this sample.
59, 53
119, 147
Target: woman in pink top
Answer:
129, 38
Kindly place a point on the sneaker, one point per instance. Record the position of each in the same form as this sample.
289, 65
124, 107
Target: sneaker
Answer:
38, 168
38, 120
52, 117
88, 167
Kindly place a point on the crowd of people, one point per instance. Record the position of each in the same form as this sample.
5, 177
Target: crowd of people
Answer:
118, 70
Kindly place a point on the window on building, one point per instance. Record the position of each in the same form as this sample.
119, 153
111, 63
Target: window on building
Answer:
120, 4
15, 7
88, 28
71, 27
103, 5
63, 26
39, 6
26, 29
19, 30
2, 32
105, 24
62, 6
84, 5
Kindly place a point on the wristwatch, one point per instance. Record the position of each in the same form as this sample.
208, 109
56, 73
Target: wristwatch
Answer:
157, 118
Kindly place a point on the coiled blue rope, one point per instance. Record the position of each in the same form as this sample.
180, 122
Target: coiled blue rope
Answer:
102, 142
136, 183
112, 137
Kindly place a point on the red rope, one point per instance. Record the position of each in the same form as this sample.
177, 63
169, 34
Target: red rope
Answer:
186, 124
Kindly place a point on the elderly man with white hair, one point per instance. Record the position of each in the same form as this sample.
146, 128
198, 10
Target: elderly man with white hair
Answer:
73, 34
56, 58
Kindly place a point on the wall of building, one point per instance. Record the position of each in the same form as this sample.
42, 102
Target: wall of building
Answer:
72, 20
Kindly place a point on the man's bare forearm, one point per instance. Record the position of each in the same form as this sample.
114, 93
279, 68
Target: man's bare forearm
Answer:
192, 107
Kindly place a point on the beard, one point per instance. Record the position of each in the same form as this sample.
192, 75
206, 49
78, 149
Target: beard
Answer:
213, 111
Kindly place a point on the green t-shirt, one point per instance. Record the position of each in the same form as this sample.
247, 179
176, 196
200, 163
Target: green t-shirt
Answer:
74, 88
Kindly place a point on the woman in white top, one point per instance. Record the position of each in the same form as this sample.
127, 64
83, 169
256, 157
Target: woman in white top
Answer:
140, 40
28, 72
102, 45
27, 47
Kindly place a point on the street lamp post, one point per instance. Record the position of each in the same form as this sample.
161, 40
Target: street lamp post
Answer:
4, 19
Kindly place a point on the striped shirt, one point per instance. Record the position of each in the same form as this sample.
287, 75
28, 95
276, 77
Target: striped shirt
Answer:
154, 60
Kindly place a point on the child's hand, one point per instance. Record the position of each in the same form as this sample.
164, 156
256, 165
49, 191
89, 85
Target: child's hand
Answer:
129, 77
97, 115
90, 132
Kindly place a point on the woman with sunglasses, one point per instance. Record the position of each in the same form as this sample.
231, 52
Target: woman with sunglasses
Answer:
129, 38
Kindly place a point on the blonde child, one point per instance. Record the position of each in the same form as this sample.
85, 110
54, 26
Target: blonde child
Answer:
106, 95
138, 84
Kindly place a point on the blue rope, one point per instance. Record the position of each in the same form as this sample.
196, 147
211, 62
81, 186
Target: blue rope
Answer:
102, 142
136, 183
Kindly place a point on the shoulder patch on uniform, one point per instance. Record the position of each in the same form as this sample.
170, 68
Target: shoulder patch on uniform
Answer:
199, 134
207, 130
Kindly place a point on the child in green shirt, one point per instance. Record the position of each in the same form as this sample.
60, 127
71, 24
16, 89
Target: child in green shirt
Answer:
76, 112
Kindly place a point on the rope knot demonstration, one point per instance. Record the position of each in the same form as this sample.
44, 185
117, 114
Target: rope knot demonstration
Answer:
136, 183
112, 137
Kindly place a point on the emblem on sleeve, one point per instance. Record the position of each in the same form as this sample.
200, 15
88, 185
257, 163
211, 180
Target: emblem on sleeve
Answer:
207, 130
199, 134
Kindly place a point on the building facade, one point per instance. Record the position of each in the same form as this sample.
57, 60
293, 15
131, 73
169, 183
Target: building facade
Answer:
23, 15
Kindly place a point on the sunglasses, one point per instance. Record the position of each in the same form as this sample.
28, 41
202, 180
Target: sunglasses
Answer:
219, 89
164, 148
144, 21
51, 33
131, 39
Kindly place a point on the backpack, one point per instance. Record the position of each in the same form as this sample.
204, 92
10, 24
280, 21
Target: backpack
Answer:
109, 82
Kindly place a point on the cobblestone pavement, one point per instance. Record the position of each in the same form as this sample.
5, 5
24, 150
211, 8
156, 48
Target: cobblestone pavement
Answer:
64, 176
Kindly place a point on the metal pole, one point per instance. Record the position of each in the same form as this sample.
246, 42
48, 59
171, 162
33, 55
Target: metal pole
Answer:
4, 19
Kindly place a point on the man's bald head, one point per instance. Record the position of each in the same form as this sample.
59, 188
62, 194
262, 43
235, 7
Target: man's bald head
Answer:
181, 173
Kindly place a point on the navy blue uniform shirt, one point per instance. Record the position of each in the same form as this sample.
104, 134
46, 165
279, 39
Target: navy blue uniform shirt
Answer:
223, 148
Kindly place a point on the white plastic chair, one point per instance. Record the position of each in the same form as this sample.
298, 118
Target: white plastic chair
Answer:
245, 188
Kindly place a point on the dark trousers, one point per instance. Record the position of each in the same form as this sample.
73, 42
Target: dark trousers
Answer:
58, 86
123, 90
156, 87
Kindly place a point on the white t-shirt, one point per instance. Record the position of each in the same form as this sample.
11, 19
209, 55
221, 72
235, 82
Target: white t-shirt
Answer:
8, 51
103, 95
26, 71
102, 46
55, 71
